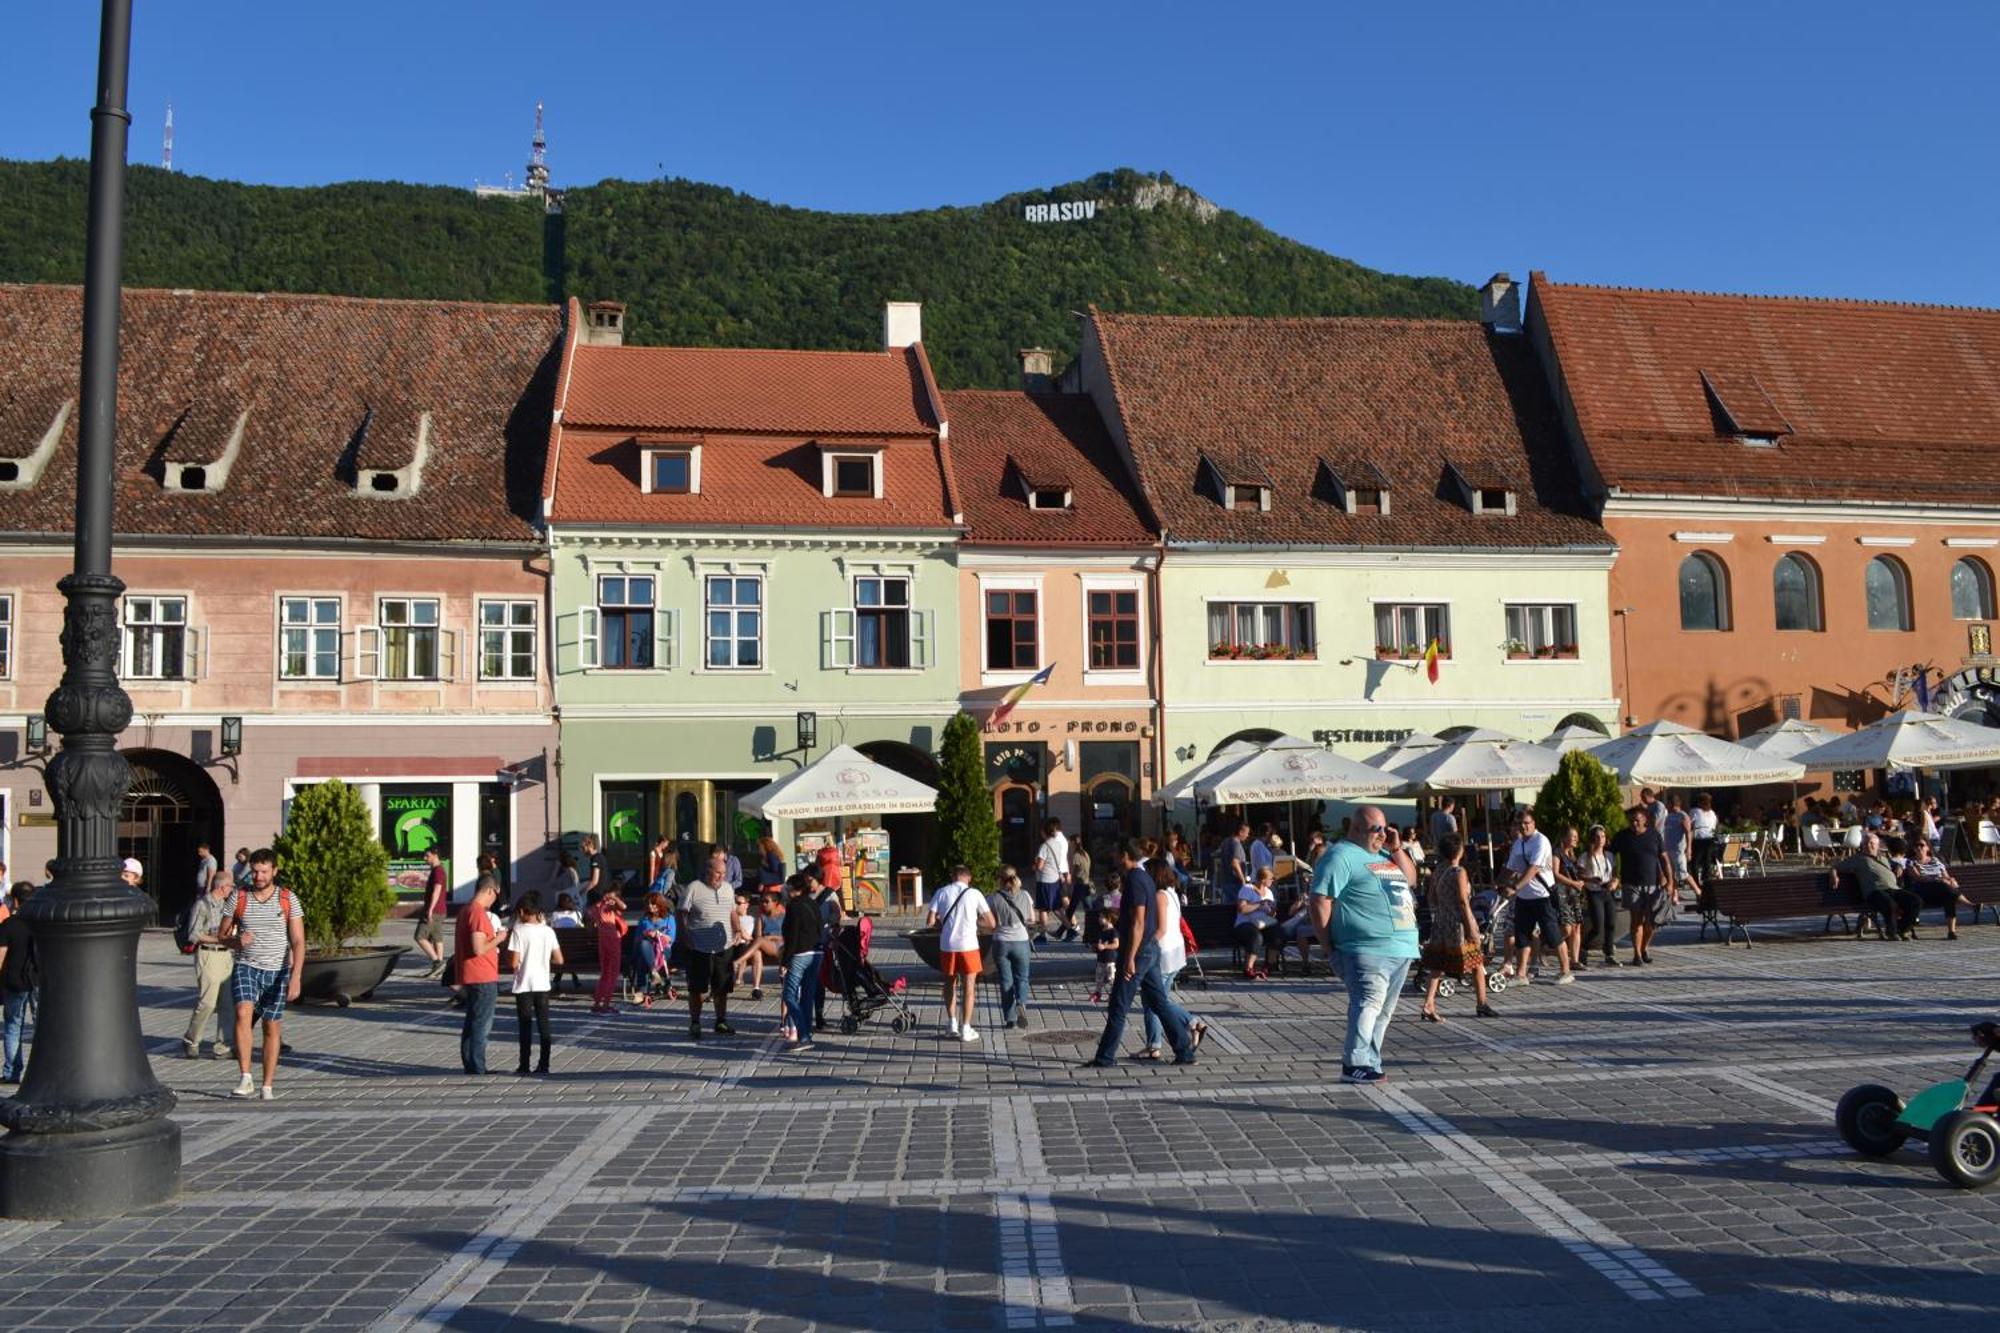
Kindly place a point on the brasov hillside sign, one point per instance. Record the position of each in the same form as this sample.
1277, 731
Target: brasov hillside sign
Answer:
1081, 210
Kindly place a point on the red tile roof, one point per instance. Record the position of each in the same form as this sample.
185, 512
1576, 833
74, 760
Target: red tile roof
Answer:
1271, 397
757, 414
1005, 440
1867, 400
312, 371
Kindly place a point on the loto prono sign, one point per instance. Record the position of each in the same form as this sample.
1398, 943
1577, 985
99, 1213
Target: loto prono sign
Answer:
1080, 210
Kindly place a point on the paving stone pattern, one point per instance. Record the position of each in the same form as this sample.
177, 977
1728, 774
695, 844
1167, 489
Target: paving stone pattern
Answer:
1651, 1147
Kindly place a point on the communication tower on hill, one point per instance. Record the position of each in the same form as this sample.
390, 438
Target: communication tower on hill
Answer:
167, 142
535, 184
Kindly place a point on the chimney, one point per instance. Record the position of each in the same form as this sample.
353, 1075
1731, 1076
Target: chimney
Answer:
1500, 304
902, 324
1038, 369
604, 324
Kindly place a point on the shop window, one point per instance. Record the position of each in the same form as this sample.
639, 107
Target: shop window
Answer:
1114, 629
1261, 631
1540, 630
1011, 631
1407, 629
733, 608
158, 643
308, 638
507, 640
1704, 593
1886, 585
1971, 590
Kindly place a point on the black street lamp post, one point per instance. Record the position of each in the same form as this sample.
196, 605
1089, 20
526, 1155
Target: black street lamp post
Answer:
88, 1133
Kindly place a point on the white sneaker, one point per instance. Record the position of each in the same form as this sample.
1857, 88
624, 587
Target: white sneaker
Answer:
968, 1035
245, 1088
1566, 979
267, 1094
954, 1026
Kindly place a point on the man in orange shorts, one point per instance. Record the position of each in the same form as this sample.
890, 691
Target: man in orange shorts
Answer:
958, 911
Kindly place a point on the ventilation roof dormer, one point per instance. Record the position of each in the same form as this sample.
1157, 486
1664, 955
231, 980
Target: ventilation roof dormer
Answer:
1478, 488
1041, 486
201, 447
31, 426
1742, 408
1357, 487
389, 460
1235, 481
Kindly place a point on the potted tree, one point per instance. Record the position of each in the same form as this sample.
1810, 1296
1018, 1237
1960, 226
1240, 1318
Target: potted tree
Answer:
968, 833
331, 860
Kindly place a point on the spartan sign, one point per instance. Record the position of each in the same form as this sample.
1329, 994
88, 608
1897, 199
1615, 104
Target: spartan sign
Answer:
1078, 211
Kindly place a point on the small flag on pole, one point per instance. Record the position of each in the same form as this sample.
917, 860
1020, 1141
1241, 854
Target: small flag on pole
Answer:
1431, 662
1018, 693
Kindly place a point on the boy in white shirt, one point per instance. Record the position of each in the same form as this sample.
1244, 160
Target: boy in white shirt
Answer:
958, 911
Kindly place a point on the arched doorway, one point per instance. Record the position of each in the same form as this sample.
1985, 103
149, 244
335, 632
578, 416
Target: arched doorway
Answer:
173, 804
912, 838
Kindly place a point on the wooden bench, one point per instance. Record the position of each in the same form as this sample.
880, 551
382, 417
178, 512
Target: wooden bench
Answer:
1980, 883
1741, 902
1214, 927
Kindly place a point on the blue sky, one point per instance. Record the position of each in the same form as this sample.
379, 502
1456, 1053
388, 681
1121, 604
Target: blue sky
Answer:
1825, 148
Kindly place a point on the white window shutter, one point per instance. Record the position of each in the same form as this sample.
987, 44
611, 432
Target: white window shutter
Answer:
192, 658
667, 630
920, 639
447, 654
587, 623
836, 639
367, 652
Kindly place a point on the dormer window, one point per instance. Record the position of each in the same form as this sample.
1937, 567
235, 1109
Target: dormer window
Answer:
1049, 497
1357, 487
1249, 499
851, 474
674, 470
1492, 500
1367, 500
1478, 487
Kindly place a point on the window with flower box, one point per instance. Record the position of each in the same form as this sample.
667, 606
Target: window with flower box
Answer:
1261, 631
1406, 629
1540, 630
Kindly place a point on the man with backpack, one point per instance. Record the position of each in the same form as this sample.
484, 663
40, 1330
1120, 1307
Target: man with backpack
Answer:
17, 984
268, 932
200, 934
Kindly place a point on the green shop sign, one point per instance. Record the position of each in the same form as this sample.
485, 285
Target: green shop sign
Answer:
415, 820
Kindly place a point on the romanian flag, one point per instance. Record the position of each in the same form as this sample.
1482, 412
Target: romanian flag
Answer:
1018, 693
1431, 662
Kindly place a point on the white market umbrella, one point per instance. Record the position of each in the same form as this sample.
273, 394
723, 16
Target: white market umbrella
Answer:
1667, 754
1572, 736
1909, 739
1404, 750
1480, 760
1290, 769
1182, 788
1788, 739
843, 781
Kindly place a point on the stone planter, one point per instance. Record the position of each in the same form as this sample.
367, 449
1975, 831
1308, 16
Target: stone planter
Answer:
344, 978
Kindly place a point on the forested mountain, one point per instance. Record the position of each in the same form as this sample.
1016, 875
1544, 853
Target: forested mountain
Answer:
702, 264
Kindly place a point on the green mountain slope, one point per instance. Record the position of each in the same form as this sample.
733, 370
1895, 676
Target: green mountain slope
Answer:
706, 265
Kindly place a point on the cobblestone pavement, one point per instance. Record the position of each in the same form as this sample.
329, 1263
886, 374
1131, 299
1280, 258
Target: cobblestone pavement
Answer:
1652, 1148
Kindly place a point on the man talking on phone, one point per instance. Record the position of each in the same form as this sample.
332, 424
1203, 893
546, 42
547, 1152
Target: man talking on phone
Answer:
1367, 878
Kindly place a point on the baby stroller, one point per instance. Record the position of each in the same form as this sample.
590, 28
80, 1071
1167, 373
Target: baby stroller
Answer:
1497, 918
846, 969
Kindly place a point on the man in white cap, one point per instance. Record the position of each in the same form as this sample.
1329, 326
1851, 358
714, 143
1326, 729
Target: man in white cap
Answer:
132, 872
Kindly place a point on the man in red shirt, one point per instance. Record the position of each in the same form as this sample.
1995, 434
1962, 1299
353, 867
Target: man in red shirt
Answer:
430, 917
478, 954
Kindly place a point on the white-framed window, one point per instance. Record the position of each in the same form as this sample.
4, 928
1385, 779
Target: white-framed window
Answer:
1249, 499
158, 643
854, 474
6, 635
1491, 500
1406, 629
620, 632
732, 622
507, 640
882, 631
407, 642
671, 470
1540, 629
308, 638
1261, 631
1048, 497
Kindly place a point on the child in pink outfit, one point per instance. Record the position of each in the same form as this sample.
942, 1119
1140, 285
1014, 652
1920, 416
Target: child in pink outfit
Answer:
611, 930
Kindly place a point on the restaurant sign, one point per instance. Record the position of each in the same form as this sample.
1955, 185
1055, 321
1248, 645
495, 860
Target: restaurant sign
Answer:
1378, 736
415, 820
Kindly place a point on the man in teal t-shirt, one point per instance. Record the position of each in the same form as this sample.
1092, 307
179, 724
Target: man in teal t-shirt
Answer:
1367, 877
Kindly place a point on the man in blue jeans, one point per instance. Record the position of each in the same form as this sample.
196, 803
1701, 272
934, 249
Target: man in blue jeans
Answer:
1367, 876
1139, 969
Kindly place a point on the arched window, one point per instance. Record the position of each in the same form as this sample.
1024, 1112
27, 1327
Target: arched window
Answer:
1887, 584
1704, 593
1795, 590
1971, 590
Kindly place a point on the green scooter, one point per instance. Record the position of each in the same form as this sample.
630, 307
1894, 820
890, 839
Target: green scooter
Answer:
1963, 1133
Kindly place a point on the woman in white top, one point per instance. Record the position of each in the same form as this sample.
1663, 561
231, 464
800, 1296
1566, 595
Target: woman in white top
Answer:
1256, 926
534, 951
1600, 897
1173, 953
1702, 824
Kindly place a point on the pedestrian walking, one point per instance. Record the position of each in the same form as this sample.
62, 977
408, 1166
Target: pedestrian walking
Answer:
1531, 881
591, 868
239, 868
1453, 948
1642, 856
1172, 945
1569, 894
1139, 967
204, 869
532, 947
18, 977
430, 917
1366, 879
957, 912
607, 914
1051, 875
477, 949
213, 965
268, 933
1703, 828
831, 916
1013, 950
132, 872
801, 957
708, 932
1600, 903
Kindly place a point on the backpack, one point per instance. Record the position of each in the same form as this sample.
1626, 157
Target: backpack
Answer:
184, 928
287, 909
